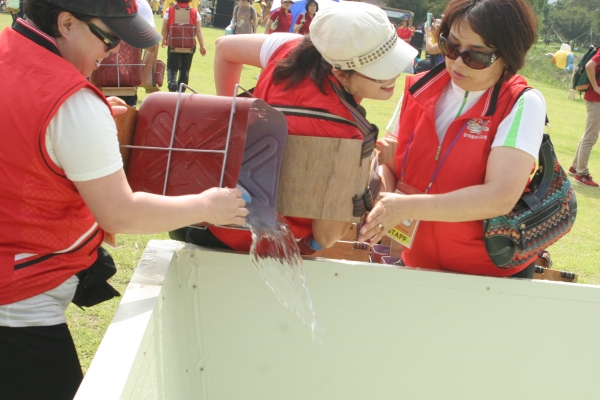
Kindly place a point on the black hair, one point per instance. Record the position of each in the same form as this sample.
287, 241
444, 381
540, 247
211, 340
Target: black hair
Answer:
305, 60
308, 3
45, 16
508, 25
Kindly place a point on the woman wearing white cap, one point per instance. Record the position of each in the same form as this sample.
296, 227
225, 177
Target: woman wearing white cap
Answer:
468, 135
332, 70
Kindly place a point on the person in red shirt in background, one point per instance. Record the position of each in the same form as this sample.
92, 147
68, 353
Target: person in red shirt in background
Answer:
303, 21
579, 168
404, 32
283, 16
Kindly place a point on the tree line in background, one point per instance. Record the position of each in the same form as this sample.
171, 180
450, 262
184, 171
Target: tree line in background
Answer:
563, 20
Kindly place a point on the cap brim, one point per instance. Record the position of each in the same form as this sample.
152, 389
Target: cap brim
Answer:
393, 63
134, 31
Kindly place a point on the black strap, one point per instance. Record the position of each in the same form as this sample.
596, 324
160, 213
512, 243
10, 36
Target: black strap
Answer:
317, 113
37, 39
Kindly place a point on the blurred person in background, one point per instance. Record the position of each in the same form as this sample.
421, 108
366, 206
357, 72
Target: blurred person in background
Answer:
404, 32
180, 63
579, 168
303, 21
283, 16
244, 18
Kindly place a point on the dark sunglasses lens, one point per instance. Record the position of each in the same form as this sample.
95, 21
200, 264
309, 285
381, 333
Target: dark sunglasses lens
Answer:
110, 41
448, 49
475, 60
112, 45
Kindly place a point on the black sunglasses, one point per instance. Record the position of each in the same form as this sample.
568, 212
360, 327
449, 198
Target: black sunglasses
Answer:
472, 59
110, 41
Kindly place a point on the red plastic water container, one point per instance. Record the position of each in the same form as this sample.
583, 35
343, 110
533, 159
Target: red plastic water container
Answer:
182, 36
159, 73
255, 150
121, 69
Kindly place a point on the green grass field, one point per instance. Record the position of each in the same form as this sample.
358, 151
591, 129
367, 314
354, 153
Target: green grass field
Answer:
578, 251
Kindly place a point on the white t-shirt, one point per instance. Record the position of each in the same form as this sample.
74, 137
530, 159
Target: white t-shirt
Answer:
272, 43
523, 128
145, 11
81, 139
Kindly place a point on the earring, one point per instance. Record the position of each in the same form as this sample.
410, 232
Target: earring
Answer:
352, 93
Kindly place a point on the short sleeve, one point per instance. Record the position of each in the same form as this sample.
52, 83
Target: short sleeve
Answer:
392, 126
82, 138
272, 43
523, 128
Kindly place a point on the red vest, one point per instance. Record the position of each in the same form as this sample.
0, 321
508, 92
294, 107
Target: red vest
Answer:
48, 234
308, 95
456, 246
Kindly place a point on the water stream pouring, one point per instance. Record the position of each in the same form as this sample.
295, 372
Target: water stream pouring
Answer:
276, 255
187, 143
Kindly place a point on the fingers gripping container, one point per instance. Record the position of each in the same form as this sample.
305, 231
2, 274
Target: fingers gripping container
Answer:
188, 143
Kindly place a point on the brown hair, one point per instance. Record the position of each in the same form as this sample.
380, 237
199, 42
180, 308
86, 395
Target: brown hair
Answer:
507, 25
305, 60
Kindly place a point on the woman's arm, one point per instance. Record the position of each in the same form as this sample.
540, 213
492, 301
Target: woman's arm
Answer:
326, 233
430, 46
200, 37
255, 20
164, 32
231, 53
118, 210
268, 25
508, 171
299, 23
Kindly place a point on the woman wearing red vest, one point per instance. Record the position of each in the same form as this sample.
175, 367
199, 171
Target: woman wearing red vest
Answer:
63, 183
467, 138
313, 71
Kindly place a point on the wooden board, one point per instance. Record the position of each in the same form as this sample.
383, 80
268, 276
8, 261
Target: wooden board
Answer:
319, 176
181, 50
343, 249
125, 129
556, 275
119, 91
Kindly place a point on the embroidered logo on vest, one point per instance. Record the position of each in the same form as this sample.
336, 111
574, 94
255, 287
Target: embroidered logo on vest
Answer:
475, 127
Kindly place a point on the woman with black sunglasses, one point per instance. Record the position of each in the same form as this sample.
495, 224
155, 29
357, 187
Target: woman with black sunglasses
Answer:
467, 137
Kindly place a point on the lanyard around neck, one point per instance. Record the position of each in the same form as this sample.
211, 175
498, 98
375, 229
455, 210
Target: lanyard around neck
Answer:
440, 163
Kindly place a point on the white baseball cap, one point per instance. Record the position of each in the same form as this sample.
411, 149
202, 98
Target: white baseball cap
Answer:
359, 36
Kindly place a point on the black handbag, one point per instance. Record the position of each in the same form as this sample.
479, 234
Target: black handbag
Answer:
544, 214
93, 287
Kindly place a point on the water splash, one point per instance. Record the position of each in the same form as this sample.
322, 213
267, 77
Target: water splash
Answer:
276, 255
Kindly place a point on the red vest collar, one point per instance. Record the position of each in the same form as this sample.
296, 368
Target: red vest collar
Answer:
36, 35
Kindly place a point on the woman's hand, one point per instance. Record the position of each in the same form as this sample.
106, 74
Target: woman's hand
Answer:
226, 206
389, 210
117, 105
387, 148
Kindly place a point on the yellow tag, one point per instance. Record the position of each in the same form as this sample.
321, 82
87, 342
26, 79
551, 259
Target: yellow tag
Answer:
110, 239
404, 233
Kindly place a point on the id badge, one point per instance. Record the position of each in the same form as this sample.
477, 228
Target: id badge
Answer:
110, 239
404, 233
